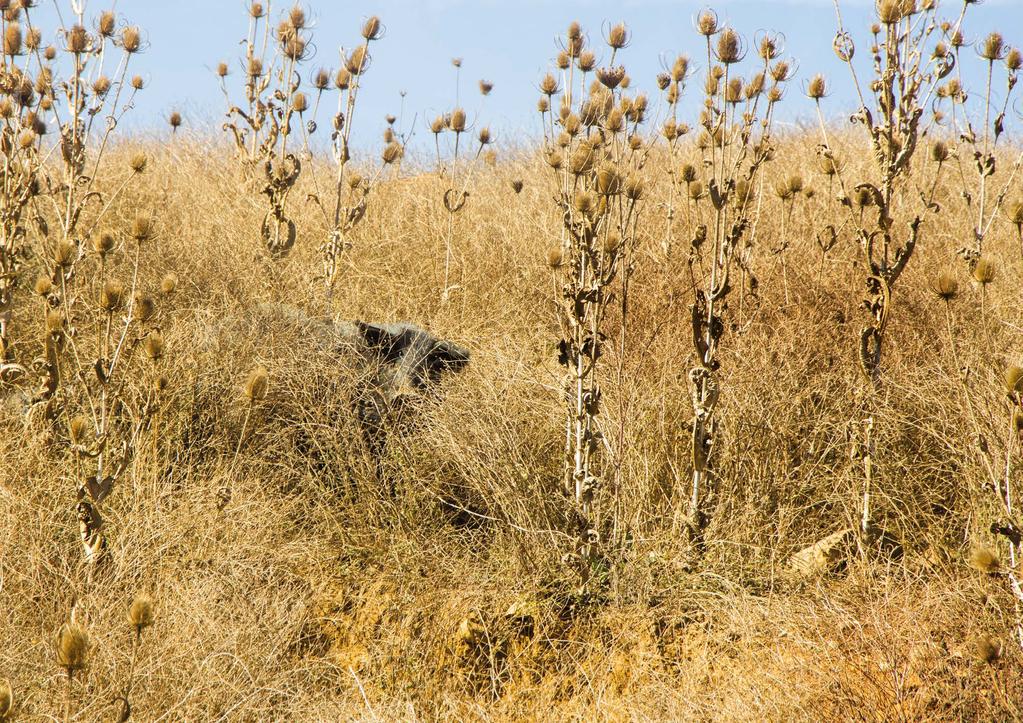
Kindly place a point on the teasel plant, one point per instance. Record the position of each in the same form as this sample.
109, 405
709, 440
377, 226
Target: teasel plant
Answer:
672, 84
971, 152
141, 616
593, 145
455, 164
736, 125
100, 399
908, 65
345, 207
62, 102
262, 128
999, 477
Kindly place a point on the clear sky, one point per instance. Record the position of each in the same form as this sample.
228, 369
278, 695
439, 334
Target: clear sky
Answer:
509, 42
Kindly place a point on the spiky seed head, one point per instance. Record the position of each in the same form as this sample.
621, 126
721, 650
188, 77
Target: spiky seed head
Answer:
33, 39
890, 12
140, 613
438, 124
50, 52
1015, 214
54, 321
563, 61
322, 79
484, 136
611, 78
618, 36
817, 88
696, 190
688, 173
107, 24
78, 429
392, 152
6, 108
456, 121
984, 559
72, 647
13, 40
863, 198
782, 191
143, 228
27, 139
300, 102
43, 285
77, 40
256, 10
554, 160
485, 87
939, 152
101, 86
111, 296
609, 181
587, 61
556, 257
138, 82
6, 700
372, 29
729, 47
635, 188
611, 243
145, 308
707, 23
517, 185
342, 79
102, 243
255, 68
169, 283
549, 85
987, 649
768, 49
140, 160
993, 48
1014, 60
456, 62
945, 285
154, 345
295, 48
256, 385
1014, 379
161, 383
984, 271
65, 254
131, 39
296, 17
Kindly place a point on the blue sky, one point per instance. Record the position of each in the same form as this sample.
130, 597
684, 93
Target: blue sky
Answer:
509, 42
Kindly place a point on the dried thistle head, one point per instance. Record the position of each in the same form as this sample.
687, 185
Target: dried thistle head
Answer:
6, 700
154, 345
984, 271
143, 228
517, 185
145, 308
939, 152
140, 613
102, 243
372, 29
140, 160
485, 87
131, 39
993, 47
945, 285
358, 61
392, 152
556, 258
300, 103
43, 285
72, 647
106, 24
817, 88
729, 47
256, 385
78, 429
456, 121
13, 40
707, 23
987, 649
65, 254
111, 296
984, 559
618, 36
77, 40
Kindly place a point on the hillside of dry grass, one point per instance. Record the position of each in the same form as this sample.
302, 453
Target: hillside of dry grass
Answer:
314, 594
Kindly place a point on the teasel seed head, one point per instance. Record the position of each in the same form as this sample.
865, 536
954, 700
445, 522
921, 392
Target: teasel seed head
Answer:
65, 254
138, 82
13, 40
729, 47
556, 257
456, 121
517, 185
54, 322
50, 52
635, 188
140, 613
256, 10
77, 40
1014, 60
43, 285
342, 79
372, 29
296, 17
987, 649
107, 24
485, 87
890, 12
817, 87
145, 308
358, 61
1014, 380
143, 228
6, 700
131, 39
438, 125
993, 48
549, 85
6, 108
78, 429
169, 283
161, 383
611, 78
984, 271
72, 647
27, 139
102, 243
300, 103
111, 296
618, 36
696, 190
101, 86
707, 23
1015, 214
587, 61
392, 152
563, 61
255, 68
140, 160
256, 385
945, 286
863, 198
939, 152
154, 345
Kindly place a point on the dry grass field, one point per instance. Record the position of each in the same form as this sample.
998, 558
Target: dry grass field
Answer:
259, 563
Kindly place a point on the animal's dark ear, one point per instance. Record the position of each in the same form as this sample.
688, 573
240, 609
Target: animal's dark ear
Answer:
448, 357
385, 343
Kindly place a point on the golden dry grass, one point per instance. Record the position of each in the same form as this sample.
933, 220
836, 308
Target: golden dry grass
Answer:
315, 595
